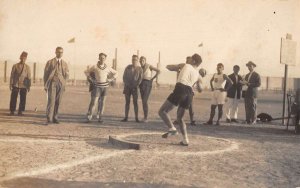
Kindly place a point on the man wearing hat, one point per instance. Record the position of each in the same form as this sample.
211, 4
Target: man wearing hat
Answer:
251, 83
100, 77
56, 74
20, 82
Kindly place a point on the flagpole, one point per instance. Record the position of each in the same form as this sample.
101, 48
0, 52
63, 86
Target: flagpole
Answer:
74, 54
72, 40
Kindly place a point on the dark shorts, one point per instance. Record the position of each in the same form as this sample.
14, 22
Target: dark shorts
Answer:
182, 96
130, 91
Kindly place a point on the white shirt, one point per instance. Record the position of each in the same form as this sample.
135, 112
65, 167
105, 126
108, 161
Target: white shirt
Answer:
188, 75
102, 74
147, 73
219, 81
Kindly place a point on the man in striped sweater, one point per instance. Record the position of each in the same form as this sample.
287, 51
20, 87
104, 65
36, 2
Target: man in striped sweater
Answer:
100, 76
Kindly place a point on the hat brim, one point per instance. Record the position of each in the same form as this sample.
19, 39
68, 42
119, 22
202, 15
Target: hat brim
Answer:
248, 64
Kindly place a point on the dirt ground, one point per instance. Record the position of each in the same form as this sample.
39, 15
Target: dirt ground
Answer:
77, 154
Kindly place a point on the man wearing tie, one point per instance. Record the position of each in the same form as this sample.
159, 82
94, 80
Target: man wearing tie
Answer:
251, 83
55, 76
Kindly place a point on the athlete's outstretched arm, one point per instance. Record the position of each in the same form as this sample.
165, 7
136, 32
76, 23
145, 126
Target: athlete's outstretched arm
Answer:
176, 67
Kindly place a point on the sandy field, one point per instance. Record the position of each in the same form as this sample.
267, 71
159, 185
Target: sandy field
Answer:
77, 154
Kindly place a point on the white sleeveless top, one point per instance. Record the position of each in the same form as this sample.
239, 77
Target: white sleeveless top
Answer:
219, 81
147, 73
188, 75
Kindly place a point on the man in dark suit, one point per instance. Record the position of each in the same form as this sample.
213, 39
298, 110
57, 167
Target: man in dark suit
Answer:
251, 83
55, 78
233, 95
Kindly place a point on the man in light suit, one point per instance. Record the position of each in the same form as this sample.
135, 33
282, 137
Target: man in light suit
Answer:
252, 81
55, 77
20, 82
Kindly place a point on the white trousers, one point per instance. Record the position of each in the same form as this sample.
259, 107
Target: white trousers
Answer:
232, 108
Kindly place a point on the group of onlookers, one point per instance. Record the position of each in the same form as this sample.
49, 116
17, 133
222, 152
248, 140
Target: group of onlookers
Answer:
139, 78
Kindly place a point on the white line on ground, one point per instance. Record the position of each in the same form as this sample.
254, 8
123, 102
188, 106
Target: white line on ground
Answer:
38, 140
50, 168
232, 146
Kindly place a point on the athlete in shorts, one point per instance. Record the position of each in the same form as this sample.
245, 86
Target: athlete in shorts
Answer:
177, 68
182, 97
219, 92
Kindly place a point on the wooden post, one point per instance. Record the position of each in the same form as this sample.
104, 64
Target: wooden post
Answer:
158, 67
116, 58
289, 37
5, 71
34, 73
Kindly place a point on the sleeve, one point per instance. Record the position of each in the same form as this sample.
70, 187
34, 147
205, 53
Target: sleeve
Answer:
87, 72
28, 73
67, 72
257, 81
13, 69
114, 73
125, 77
211, 81
46, 72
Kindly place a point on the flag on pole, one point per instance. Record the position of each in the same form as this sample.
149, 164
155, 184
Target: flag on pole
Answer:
200, 45
72, 40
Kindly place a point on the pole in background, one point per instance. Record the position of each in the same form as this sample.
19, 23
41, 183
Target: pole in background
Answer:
116, 58
288, 37
72, 40
5, 71
158, 67
34, 73
138, 53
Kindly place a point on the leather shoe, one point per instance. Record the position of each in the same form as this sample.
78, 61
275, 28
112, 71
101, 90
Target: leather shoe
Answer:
55, 121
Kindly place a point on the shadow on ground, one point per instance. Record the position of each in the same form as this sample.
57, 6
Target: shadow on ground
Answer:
46, 183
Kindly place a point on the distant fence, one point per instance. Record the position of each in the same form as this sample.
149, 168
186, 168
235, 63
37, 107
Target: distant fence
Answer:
267, 83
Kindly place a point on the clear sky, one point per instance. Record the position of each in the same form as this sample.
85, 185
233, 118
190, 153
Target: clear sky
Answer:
232, 31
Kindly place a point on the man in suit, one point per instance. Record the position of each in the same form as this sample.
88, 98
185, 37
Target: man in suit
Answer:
251, 83
55, 77
233, 95
20, 82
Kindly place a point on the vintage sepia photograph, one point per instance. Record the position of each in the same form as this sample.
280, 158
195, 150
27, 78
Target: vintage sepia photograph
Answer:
149, 93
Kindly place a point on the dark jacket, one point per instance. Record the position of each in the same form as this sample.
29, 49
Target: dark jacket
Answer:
132, 78
254, 83
235, 88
